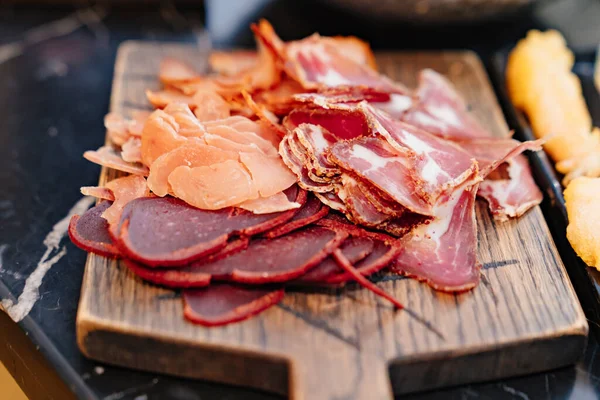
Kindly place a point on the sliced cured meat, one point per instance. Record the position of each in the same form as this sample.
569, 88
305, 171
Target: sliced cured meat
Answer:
210, 106
364, 282
230, 145
275, 260
332, 200
313, 210
174, 71
161, 98
233, 62
89, 232
168, 232
135, 125
116, 128
354, 248
244, 138
443, 252
354, 48
440, 164
124, 190
317, 141
374, 160
187, 123
266, 205
359, 207
131, 151
270, 175
108, 157
215, 186
441, 110
395, 106
223, 304
297, 167
512, 197
343, 122
97, 192
381, 201
318, 63
189, 154
280, 99
264, 114
160, 136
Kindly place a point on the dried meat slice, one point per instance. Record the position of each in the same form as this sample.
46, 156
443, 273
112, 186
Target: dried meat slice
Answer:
108, 157
266, 205
244, 138
124, 190
344, 122
173, 71
97, 192
89, 232
270, 175
440, 110
162, 98
317, 141
187, 123
512, 197
210, 106
224, 304
440, 164
313, 210
190, 154
374, 160
443, 252
131, 151
214, 186
359, 208
160, 136
332, 200
300, 170
232, 62
168, 232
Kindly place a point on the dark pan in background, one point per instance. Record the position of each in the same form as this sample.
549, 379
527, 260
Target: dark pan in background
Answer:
586, 280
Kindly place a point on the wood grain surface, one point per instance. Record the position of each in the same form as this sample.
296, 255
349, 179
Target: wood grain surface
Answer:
346, 343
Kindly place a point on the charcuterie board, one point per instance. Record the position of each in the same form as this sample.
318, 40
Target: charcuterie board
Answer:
346, 343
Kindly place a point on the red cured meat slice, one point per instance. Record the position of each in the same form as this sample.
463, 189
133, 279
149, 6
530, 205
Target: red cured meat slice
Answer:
317, 141
169, 232
275, 260
89, 232
264, 261
512, 197
299, 169
332, 201
223, 304
312, 211
372, 159
343, 122
354, 249
443, 253
441, 110
359, 208
440, 164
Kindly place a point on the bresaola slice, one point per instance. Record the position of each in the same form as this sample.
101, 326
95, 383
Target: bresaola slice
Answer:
169, 232
313, 210
223, 304
89, 232
264, 261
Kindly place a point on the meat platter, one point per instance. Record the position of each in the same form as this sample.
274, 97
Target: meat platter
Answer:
326, 341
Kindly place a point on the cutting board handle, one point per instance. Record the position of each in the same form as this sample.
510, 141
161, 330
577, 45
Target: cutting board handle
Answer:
366, 379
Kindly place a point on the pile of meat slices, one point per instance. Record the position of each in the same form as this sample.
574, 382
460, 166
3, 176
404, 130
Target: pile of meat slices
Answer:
298, 165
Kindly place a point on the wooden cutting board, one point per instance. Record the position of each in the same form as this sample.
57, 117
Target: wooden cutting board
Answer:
346, 343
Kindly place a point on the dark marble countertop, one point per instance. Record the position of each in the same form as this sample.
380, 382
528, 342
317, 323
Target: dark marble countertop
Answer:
56, 68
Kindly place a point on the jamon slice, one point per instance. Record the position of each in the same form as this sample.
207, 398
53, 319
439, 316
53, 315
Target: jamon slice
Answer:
97, 192
167, 231
332, 200
440, 164
210, 106
89, 232
359, 207
174, 71
372, 159
108, 157
313, 210
344, 122
317, 141
443, 252
124, 190
266, 205
300, 170
441, 110
224, 304
319, 63
187, 123
354, 249
511, 197
215, 186
160, 136
190, 154
131, 151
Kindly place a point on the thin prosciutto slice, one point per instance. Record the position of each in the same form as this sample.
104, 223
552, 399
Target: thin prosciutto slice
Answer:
443, 252
441, 110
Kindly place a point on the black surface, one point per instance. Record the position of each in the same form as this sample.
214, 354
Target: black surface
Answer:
54, 96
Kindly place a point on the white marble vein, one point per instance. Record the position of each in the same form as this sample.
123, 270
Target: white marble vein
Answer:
19, 310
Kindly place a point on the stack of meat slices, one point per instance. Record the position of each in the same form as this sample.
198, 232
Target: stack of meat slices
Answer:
296, 165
